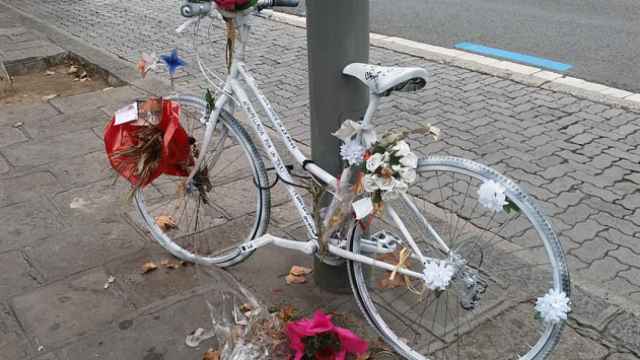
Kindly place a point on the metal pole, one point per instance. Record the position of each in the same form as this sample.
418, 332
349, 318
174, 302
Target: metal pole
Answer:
338, 34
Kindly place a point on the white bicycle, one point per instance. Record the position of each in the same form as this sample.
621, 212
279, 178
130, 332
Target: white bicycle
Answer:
500, 261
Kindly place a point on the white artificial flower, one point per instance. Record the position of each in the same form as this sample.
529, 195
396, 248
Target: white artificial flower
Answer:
410, 160
401, 148
349, 128
386, 157
370, 184
437, 274
385, 184
491, 195
374, 162
408, 175
352, 152
553, 307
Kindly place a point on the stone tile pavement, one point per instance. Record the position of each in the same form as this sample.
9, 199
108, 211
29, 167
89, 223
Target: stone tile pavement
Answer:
579, 158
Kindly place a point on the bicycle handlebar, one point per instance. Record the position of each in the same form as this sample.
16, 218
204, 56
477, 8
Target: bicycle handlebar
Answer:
263, 4
202, 8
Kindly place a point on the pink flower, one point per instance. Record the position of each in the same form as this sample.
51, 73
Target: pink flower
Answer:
319, 324
231, 5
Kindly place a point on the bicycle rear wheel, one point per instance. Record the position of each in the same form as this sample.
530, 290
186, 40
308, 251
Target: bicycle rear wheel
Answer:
227, 203
506, 261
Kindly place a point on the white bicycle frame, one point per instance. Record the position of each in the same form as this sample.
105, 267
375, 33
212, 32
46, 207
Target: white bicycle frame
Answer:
234, 90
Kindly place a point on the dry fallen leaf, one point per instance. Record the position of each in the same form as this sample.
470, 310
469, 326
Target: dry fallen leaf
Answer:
287, 313
292, 279
149, 266
18, 124
49, 97
170, 264
72, 69
166, 222
211, 355
385, 281
49, 72
299, 270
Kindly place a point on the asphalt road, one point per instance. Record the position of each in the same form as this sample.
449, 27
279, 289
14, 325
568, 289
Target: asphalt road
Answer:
600, 38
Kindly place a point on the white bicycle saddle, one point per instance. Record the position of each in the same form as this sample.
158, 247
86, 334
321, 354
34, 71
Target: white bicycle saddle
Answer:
382, 80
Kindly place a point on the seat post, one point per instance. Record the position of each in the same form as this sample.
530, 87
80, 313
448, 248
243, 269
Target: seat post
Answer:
374, 101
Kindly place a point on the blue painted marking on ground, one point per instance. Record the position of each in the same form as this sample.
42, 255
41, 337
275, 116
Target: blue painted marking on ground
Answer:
522, 58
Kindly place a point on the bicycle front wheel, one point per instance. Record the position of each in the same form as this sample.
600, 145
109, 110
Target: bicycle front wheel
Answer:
225, 205
505, 260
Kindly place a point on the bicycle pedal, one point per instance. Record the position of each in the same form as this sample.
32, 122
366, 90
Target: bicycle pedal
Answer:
386, 239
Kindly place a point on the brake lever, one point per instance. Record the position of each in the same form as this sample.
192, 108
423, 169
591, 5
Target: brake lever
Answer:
186, 24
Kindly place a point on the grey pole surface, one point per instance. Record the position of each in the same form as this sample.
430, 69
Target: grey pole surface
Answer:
337, 34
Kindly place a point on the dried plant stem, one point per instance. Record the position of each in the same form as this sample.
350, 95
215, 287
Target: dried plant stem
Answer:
146, 155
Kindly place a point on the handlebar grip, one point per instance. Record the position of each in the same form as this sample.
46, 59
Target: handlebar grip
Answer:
286, 3
192, 9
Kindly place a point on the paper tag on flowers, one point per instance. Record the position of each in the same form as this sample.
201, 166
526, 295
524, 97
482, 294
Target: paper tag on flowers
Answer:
127, 114
363, 207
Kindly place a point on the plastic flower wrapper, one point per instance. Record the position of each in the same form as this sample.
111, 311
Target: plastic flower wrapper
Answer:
350, 129
243, 328
339, 211
307, 332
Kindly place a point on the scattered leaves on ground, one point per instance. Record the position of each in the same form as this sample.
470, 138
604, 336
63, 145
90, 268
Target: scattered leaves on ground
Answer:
297, 275
211, 355
148, 267
171, 264
292, 279
299, 270
166, 222
110, 281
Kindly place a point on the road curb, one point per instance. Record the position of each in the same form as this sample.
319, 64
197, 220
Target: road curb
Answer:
528, 75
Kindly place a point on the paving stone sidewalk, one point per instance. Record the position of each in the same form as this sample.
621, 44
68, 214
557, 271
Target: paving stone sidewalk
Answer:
579, 158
